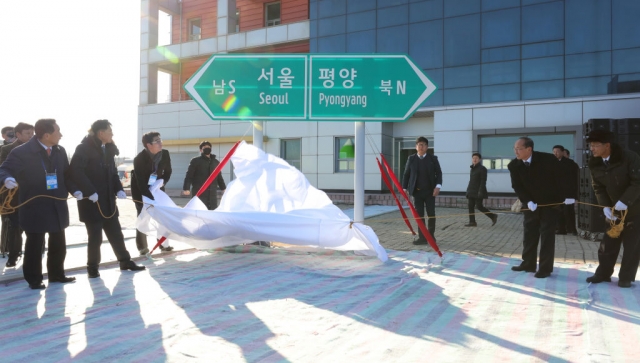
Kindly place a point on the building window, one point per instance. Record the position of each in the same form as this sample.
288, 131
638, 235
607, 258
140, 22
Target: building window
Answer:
345, 154
195, 30
164, 28
272, 14
290, 152
497, 151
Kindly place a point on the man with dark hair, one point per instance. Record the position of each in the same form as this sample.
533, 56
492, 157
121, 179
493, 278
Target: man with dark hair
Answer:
23, 132
199, 170
93, 169
151, 164
570, 178
537, 179
477, 191
615, 177
8, 135
423, 179
567, 154
40, 167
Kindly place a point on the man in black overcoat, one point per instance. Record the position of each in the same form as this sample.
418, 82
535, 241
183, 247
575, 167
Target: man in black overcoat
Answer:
199, 170
536, 178
40, 167
93, 169
477, 191
570, 174
423, 179
615, 177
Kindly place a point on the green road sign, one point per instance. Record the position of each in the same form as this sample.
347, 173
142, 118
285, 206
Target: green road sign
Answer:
314, 87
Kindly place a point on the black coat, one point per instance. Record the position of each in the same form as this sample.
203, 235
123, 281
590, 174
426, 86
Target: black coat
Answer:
4, 153
477, 188
410, 176
27, 165
199, 170
619, 181
541, 182
95, 172
142, 170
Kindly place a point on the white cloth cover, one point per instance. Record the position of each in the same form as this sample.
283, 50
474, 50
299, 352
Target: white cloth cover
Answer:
269, 200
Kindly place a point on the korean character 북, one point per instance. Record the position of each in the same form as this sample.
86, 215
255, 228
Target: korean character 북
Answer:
328, 74
385, 86
350, 75
219, 89
285, 78
267, 75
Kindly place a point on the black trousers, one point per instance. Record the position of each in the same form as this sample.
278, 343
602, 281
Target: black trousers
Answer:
566, 219
477, 203
141, 238
32, 267
539, 226
3, 235
610, 249
111, 227
424, 199
14, 239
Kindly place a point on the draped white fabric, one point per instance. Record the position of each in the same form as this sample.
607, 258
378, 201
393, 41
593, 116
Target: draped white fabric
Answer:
269, 200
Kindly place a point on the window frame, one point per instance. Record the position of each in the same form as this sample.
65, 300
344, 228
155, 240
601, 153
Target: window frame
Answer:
272, 22
192, 36
336, 157
283, 153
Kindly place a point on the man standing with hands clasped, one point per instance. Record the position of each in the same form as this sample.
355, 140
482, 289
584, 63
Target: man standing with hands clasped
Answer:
94, 171
536, 177
423, 179
615, 177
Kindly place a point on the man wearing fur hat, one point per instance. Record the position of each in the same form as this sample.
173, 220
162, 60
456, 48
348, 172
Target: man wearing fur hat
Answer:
615, 177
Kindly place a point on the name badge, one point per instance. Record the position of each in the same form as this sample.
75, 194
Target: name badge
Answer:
152, 179
52, 181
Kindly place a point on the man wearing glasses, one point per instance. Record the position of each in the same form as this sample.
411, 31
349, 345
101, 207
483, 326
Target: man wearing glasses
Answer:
151, 164
423, 179
615, 177
536, 177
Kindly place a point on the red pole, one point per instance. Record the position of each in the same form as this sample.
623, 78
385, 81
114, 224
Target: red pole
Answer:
386, 181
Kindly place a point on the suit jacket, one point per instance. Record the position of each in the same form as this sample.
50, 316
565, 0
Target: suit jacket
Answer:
410, 177
95, 172
477, 188
540, 182
4, 153
619, 181
27, 165
142, 170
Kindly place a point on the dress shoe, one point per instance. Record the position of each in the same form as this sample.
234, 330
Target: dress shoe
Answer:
542, 275
166, 249
11, 263
93, 272
421, 241
522, 268
63, 279
144, 251
494, 219
39, 286
623, 283
130, 265
474, 224
595, 279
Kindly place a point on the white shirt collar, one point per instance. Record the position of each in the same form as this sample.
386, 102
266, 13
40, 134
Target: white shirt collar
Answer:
43, 145
607, 158
529, 160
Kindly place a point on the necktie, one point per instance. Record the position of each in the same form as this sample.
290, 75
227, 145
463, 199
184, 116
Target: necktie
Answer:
49, 151
526, 163
606, 162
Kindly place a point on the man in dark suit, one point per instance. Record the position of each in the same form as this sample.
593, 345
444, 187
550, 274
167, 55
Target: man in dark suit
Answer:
198, 172
24, 132
41, 167
615, 177
423, 179
570, 175
94, 171
536, 178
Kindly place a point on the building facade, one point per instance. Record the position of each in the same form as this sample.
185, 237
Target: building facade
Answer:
504, 69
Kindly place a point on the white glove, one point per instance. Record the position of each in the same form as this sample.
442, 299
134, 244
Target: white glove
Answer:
569, 201
608, 214
121, 194
78, 195
93, 197
620, 206
532, 206
147, 200
10, 183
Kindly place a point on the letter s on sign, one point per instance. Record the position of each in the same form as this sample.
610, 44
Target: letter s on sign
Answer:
233, 89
